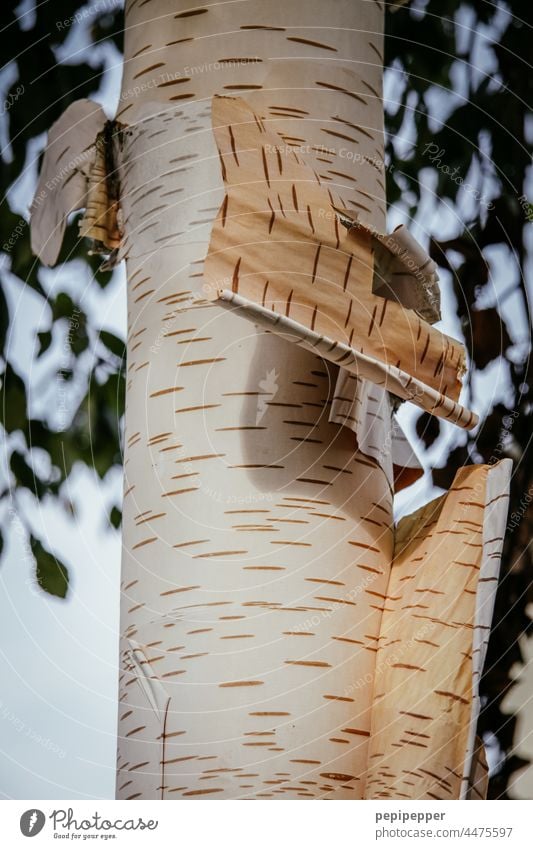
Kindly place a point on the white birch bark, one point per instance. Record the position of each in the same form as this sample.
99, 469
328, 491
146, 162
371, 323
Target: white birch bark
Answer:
261, 531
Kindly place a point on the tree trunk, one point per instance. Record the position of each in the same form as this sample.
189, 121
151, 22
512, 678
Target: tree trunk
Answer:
246, 510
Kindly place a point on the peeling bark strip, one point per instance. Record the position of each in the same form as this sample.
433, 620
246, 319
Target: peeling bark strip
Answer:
318, 279
79, 171
266, 614
433, 640
70, 155
395, 380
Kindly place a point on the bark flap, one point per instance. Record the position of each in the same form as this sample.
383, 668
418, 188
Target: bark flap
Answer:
68, 159
76, 173
433, 638
286, 253
405, 273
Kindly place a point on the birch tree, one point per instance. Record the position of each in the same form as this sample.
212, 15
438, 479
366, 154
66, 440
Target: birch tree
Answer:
280, 637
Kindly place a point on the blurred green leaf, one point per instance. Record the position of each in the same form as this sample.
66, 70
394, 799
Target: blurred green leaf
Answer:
13, 414
52, 575
45, 340
115, 517
113, 344
4, 318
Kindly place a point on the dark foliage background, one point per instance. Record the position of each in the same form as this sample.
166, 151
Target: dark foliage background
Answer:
430, 51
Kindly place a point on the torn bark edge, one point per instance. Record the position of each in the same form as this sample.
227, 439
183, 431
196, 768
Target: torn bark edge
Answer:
478, 779
494, 524
102, 220
403, 270
137, 665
